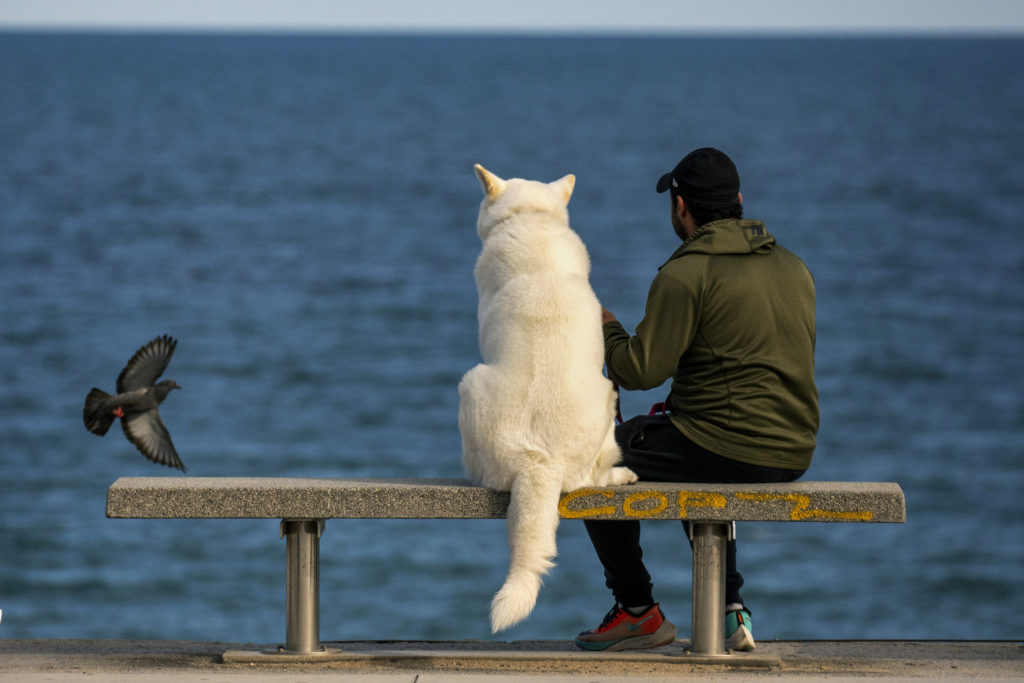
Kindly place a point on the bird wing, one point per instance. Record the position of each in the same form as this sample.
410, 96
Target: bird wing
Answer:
147, 431
146, 365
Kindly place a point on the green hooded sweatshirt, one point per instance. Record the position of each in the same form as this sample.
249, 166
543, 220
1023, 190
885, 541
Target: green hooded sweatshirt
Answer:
730, 318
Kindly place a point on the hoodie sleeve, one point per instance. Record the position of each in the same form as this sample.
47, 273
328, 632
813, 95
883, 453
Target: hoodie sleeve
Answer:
651, 356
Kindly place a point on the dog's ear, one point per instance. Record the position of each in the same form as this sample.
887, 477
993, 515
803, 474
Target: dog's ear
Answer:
492, 184
564, 186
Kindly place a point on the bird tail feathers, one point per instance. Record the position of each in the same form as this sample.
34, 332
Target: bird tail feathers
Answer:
97, 418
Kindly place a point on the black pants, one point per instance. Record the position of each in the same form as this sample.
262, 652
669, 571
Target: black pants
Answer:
657, 451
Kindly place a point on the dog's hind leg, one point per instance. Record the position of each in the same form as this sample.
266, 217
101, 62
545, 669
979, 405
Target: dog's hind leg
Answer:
605, 472
472, 420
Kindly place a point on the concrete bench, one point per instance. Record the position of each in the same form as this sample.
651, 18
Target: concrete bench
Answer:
303, 505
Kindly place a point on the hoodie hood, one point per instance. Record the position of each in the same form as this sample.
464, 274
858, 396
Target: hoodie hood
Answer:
729, 236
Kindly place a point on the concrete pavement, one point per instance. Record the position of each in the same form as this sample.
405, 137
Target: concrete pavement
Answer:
34, 661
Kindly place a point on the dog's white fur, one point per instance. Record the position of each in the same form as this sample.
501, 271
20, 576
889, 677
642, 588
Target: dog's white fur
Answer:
537, 416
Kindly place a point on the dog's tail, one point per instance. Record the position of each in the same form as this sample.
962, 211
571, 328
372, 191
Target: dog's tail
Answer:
532, 523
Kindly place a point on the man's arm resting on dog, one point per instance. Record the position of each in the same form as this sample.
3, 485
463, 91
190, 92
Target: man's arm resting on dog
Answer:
647, 359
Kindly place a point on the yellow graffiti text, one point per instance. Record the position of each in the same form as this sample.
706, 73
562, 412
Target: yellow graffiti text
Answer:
630, 509
572, 496
802, 507
597, 503
699, 499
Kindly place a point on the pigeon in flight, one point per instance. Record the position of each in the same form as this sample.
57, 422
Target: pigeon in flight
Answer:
138, 396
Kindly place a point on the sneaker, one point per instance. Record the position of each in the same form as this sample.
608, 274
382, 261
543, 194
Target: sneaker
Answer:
621, 630
738, 630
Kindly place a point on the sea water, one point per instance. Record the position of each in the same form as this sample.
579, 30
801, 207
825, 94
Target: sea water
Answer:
299, 211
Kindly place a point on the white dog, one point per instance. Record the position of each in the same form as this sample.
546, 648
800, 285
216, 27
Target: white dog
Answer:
537, 416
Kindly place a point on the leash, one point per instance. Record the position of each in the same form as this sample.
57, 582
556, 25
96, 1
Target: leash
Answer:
661, 407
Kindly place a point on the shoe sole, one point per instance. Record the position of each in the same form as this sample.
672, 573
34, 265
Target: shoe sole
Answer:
665, 634
742, 640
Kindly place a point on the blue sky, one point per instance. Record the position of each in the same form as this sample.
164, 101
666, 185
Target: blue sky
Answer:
831, 16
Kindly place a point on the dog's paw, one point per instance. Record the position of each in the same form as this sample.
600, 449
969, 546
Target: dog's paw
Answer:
621, 475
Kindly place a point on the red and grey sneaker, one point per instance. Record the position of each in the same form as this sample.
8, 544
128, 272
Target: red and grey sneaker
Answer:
621, 630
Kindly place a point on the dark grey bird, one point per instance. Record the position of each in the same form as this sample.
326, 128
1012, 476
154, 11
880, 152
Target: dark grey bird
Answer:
136, 401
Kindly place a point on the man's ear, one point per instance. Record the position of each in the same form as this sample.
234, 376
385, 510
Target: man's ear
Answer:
680, 206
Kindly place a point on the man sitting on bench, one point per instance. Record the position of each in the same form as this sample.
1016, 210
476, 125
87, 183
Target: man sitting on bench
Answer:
730, 317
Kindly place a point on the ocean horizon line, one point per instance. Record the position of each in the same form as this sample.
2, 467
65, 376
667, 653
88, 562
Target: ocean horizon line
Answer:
524, 32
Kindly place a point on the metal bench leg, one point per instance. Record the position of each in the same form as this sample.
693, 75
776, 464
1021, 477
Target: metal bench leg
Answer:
303, 585
708, 619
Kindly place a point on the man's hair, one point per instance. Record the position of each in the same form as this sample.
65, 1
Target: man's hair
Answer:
702, 215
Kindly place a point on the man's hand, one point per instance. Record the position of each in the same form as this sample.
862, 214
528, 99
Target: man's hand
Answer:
607, 316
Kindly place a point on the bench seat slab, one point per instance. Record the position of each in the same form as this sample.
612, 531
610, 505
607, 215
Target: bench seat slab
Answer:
342, 498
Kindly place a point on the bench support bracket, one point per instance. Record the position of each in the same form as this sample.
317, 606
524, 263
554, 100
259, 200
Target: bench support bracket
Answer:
708, 617
302, 599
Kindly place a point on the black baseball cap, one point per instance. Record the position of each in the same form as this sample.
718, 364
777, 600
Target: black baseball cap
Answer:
705, 176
